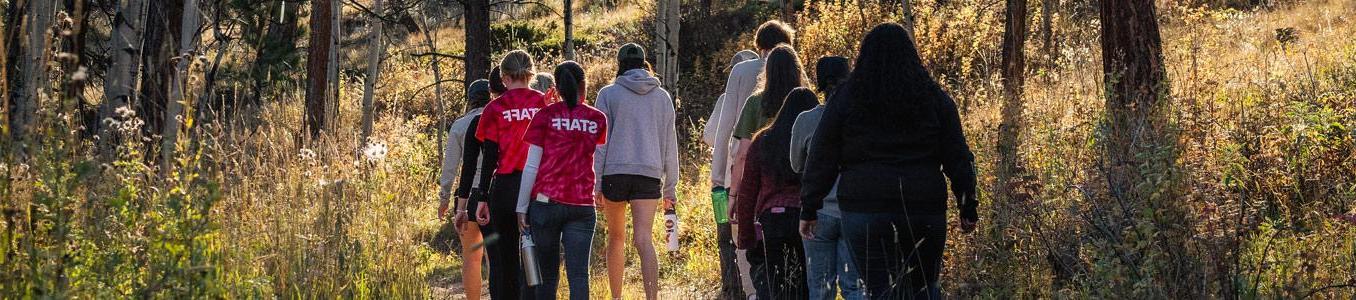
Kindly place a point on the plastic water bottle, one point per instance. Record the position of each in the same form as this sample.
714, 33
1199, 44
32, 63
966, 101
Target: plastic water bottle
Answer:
671, 228
529, 255
720, 204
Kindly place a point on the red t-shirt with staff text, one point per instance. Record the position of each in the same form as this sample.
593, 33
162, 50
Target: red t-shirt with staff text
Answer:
568, 137
504, 121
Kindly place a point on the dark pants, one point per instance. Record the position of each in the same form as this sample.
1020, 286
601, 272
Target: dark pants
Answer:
731, 286
502, 239
785, 254
758, 270
883, 251
556, 226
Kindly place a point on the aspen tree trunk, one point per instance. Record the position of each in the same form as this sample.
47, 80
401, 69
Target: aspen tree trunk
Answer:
125, 48
666, 50
175, 105
906, 10
8, 52
374, 51
33, 69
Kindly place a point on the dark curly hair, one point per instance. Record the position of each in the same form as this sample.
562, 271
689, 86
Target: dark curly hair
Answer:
781, 73
890, 86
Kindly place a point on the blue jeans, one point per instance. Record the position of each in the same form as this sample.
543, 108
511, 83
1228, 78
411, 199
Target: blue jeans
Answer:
829, 262
556, 226
883, 249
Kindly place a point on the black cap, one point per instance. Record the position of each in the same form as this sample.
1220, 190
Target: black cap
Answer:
630, 50
478, 91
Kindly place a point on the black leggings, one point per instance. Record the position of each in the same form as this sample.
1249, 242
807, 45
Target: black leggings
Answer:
502, 238
883, 251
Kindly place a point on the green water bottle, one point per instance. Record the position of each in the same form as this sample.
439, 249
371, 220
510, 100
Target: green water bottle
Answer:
720, 204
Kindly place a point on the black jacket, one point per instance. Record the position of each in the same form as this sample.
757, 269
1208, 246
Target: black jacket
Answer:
887, 168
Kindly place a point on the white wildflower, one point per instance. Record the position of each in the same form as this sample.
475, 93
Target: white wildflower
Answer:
81, 74
125, 112
306, 154
375, 152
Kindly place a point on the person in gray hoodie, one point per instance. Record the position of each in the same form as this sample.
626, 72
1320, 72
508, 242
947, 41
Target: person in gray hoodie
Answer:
638, 165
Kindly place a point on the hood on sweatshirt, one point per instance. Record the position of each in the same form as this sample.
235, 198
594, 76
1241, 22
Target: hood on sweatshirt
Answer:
638, 81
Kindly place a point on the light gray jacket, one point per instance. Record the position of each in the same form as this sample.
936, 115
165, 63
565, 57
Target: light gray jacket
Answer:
642, 138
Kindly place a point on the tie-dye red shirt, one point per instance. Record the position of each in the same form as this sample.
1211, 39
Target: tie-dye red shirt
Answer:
568, 138
504, 121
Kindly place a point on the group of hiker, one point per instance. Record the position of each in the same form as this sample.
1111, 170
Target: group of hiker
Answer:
813, 199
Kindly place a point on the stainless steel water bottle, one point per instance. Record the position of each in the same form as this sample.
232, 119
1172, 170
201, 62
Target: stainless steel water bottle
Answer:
531, 271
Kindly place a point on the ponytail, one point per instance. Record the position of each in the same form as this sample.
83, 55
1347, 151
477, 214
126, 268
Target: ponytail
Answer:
570, 82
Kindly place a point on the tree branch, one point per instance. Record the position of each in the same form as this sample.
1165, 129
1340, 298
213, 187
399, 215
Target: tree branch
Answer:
442, 55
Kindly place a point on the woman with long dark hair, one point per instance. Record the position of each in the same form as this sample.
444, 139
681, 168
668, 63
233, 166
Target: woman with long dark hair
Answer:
771, 192
555, 199
782, 72
895, 137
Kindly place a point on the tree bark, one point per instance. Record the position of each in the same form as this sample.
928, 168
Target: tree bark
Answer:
1141, 153
477, 40
125, 48
1133, 72
317, 67
666, 49
569, 30
10, 51
33, 69
1014, 73
174, 106
162, 26
906, 10
374, 51
1048, 31
74, 43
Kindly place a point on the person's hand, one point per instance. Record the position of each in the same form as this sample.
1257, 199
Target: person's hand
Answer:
807, 229
459, 219
968, 225
670, 203
482, 214
442, 210
522, 222
598, 200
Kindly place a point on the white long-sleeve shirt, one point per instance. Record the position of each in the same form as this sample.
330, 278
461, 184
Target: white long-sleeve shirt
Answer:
741, 84
452, 155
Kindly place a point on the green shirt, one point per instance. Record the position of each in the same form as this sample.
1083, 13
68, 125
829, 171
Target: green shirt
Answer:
751, 119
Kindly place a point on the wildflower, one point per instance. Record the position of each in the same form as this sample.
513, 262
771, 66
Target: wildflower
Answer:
375, 152
306, 154
81, 74
125, 112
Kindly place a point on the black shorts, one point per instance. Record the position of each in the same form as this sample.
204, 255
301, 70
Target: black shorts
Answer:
627, 187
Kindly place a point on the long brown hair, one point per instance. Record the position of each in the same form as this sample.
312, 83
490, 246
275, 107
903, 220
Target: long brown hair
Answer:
781, 73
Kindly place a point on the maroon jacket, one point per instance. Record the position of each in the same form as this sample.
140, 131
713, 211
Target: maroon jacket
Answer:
760, 191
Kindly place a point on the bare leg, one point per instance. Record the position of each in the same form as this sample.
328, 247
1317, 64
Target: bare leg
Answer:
472, 254
642, 214
615, 214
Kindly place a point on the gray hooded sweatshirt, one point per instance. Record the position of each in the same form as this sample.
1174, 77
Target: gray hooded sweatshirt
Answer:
642, 138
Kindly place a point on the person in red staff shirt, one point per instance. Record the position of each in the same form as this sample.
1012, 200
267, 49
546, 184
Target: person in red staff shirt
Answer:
555, 200
501, 128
